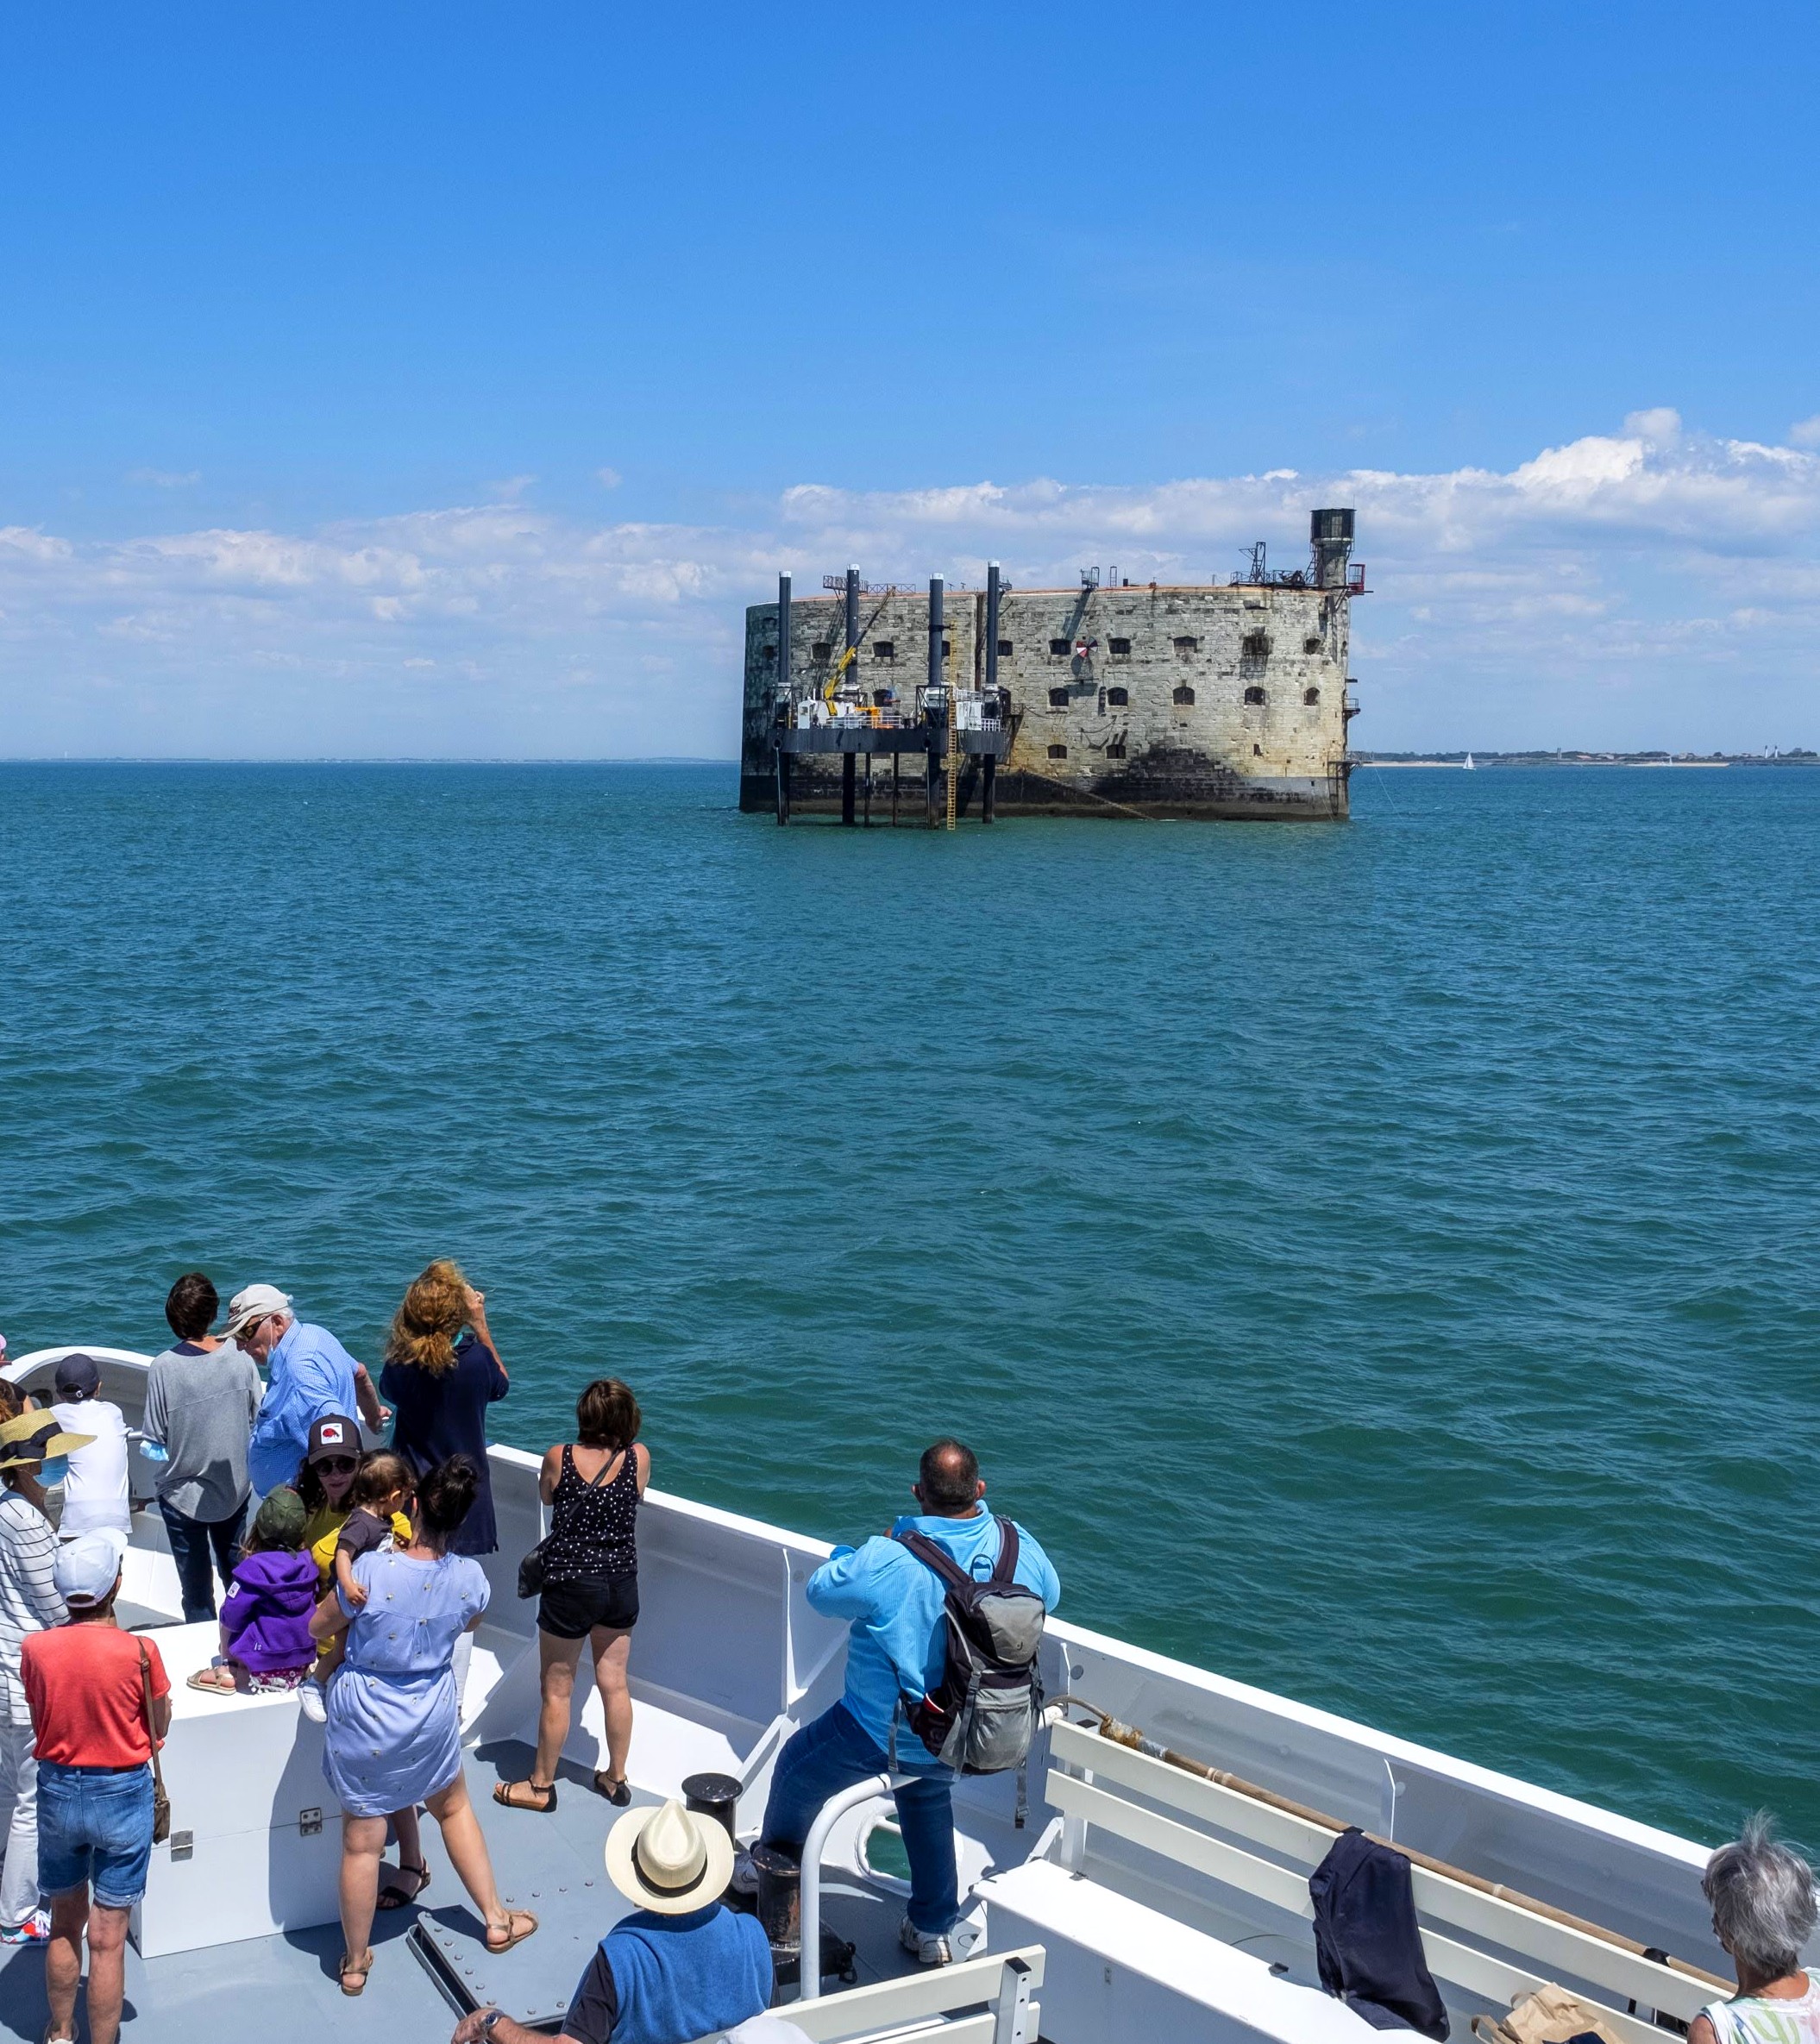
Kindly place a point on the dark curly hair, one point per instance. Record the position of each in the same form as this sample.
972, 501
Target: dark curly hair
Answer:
446, 1496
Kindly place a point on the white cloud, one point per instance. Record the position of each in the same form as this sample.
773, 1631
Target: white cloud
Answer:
1806, 432
608, 478
1651, 586
164, 479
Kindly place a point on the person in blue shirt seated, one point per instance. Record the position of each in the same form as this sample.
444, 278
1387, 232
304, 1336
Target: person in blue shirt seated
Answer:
682, 1965
311, 1376
898, 1649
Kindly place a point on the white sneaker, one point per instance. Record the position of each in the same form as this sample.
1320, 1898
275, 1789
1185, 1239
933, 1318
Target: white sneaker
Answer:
933, 1948
36, 1930
314, 1703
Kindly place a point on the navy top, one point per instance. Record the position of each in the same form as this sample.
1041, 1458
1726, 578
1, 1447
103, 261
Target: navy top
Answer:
440, 1416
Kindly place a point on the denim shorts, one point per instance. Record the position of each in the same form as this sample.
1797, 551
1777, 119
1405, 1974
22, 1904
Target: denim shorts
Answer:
94, 1826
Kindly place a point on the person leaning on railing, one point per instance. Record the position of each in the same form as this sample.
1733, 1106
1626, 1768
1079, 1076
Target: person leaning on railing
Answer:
1763, 1913
897, 1647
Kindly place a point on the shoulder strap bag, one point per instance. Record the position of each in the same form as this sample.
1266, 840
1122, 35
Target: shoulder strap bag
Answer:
535, 1565
161, 1801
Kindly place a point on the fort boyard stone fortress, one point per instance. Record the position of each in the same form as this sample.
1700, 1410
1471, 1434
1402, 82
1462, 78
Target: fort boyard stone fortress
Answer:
898, 706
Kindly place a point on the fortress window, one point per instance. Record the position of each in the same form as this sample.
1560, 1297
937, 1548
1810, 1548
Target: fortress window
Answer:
1119, 649
1311, 644
1254, 695
1060, 649
1058, 698
1311, 696
1004, 648
1058, 752
1255, 645
821, 649
1186, 648
1183, 698
1118, 697
882, 697
1116, 750
884, 649
947, 648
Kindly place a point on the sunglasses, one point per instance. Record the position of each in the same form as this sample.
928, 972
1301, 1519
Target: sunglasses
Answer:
336, 1465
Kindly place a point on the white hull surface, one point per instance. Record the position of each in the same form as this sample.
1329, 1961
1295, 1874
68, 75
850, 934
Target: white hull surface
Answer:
1149, 1905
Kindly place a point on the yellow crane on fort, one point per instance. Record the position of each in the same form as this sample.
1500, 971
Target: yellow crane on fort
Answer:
851, 654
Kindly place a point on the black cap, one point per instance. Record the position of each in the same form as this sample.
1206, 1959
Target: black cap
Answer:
332, 1435
78, 1376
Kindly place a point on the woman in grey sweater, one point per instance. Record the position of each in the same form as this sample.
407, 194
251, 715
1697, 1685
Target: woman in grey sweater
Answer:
202, 1396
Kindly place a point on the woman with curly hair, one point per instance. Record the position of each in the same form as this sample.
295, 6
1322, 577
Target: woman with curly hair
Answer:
441, 1372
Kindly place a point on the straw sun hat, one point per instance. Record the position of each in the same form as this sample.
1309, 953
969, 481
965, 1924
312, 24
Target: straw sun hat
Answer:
669, 1859
35, 1437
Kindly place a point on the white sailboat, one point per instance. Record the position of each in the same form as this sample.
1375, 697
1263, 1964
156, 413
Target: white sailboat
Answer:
1470, 768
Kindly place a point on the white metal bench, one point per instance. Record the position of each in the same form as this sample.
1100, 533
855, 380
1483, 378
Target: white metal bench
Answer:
981, 2000
1488, 1949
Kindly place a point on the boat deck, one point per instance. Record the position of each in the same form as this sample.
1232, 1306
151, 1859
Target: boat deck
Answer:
284, 1987
1144, 1902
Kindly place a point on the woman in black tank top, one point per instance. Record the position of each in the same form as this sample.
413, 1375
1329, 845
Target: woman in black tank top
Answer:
592, 1487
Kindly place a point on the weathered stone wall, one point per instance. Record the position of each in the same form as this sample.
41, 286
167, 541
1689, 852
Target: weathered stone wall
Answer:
1210, 701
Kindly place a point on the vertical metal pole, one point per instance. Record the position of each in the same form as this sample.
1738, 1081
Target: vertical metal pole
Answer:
935, 631
988, 790
848, 763
783, 636
852, 606
781, 710
992, 626
937, 734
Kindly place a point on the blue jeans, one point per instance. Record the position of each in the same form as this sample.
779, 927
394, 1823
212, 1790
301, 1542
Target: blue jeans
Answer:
831, 1754
190, 1541
94, 1826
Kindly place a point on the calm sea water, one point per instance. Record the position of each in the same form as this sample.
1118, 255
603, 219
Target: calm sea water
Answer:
1379, 1261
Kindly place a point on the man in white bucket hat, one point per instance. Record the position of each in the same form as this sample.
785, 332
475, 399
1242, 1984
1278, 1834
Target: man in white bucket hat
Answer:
682, 1965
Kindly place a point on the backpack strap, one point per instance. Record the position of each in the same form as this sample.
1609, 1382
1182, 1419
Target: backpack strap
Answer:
933, 1555
1006, 1567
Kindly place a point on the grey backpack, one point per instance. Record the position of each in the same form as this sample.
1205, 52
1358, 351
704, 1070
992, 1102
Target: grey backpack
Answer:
981, 1715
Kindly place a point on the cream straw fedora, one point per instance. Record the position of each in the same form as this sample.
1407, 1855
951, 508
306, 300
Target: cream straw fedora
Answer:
669, 1859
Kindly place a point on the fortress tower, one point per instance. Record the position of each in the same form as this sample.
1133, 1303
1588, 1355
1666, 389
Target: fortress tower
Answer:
1191, 701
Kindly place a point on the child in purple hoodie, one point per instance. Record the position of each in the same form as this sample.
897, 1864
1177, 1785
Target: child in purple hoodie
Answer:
265, 1646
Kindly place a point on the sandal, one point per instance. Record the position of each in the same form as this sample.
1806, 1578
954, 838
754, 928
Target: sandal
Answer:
618, 1793
512, 1936
392, 1896
217, 1682
511, 1795
355, 1970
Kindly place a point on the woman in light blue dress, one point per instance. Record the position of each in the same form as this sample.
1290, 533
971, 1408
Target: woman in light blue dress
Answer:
393, 1735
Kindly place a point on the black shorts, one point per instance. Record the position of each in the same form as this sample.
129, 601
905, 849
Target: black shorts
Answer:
572, 1610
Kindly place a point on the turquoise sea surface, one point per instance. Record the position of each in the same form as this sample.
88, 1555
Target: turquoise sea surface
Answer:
1377, 1260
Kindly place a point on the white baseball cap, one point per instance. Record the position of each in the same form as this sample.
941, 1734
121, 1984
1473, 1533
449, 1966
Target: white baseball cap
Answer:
87, 1568
253, 1302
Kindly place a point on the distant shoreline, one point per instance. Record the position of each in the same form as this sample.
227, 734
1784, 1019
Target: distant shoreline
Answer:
1455, 762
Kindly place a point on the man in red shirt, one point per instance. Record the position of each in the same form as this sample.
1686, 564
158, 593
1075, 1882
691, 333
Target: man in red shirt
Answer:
91, 1688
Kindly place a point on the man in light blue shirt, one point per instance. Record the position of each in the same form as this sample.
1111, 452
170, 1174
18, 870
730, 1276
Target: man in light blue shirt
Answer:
310, 1375
897, 1649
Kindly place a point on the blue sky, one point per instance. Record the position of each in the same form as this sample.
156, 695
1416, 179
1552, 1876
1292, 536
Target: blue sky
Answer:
369, 370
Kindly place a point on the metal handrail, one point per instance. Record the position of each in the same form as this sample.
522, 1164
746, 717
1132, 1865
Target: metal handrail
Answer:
873, 1788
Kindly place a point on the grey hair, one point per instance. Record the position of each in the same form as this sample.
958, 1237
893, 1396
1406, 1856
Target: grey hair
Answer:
1762, 1898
